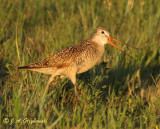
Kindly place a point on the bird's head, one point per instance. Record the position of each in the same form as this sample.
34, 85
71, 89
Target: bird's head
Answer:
102, 37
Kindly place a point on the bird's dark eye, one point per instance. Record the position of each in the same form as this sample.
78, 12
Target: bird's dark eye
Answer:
102, 32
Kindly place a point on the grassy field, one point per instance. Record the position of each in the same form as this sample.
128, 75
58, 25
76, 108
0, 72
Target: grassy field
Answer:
119, 93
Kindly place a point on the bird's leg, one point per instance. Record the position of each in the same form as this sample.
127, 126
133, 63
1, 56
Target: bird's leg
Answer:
75, 90
73, 79
43, 98
50, 80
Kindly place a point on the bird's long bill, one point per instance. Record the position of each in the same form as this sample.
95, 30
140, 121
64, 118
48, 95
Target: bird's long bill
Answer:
111, 43
122, 42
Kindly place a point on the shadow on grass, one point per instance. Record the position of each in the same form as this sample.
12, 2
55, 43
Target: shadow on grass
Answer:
150, 69
118, 76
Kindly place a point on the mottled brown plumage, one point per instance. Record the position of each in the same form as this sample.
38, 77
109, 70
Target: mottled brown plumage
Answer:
75, 59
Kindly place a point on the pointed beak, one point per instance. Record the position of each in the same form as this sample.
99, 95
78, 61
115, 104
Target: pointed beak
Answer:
111, 43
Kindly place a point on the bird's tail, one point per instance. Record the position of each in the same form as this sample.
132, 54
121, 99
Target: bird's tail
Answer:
24, 68
37, 69
31, 66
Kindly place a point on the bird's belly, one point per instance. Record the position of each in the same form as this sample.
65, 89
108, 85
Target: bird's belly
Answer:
83, 70
85, 67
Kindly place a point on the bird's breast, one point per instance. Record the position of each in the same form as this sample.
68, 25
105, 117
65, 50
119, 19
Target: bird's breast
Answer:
88, 61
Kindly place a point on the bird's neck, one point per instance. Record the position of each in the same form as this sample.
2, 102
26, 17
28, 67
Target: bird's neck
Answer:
98, 45
98, 40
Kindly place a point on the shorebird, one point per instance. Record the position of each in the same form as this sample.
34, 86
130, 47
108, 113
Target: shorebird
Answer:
76, 59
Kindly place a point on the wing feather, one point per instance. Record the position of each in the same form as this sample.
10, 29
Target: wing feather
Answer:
62, 58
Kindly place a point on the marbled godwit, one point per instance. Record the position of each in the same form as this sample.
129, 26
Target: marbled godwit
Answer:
76, 59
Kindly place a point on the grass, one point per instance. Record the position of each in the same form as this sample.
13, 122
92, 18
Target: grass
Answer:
119, 93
